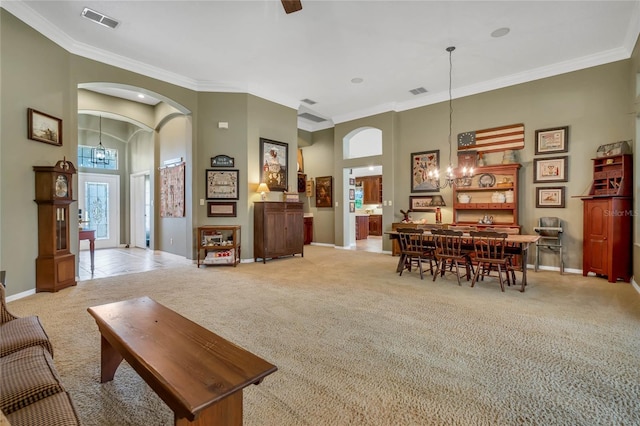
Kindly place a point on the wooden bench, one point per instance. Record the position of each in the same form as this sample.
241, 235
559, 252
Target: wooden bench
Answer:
197, 373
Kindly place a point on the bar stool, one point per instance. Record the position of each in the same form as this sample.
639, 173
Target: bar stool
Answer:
550, 231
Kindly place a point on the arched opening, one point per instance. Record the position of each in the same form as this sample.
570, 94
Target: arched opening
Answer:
363, 213
129, 121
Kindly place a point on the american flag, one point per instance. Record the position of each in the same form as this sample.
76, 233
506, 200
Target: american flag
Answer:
497, 138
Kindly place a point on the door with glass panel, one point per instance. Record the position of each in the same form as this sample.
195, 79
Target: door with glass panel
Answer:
99, 202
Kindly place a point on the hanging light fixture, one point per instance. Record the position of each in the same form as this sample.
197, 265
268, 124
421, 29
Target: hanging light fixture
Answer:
99, 153
449, 178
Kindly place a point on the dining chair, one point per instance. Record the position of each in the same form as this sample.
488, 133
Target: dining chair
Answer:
491, 255
449, 252
415, 247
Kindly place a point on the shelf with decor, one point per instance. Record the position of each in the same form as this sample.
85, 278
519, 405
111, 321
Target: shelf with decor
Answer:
612, 175
489, 198
219, 245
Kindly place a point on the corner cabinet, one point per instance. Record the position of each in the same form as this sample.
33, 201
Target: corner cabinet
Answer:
607, 221
492, 192
218, 245
278, 230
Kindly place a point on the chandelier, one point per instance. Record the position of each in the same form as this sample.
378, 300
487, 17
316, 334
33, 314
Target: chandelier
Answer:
99, 153
450, 178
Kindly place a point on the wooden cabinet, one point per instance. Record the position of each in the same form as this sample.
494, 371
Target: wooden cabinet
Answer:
55, 264
219, 245
308, 230
375, 224
493, 191
607, 221
278, 230
362, 227
371, 189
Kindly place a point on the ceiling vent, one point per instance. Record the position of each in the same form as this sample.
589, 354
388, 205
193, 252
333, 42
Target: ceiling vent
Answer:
312, 117
418, 91
308, 101
99, 18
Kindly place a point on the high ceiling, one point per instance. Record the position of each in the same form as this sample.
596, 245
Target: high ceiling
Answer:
392, 46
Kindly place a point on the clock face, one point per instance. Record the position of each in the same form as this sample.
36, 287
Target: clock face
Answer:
62, 186
466, 139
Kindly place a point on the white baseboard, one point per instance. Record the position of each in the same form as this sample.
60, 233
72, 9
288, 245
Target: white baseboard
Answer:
21, 295
635, 285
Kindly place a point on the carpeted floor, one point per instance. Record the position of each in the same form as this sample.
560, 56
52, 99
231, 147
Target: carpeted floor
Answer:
355, 344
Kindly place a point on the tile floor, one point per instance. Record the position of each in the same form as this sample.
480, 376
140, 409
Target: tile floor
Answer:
119, 261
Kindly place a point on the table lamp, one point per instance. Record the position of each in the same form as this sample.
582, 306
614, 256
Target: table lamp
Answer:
263, 189
437, 201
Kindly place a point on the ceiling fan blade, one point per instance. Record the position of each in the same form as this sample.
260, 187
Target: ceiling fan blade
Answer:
291, 6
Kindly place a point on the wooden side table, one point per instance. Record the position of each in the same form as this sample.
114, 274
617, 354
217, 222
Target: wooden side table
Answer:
89, 234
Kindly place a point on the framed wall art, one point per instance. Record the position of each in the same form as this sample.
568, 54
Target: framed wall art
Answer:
421, 164
222, 184
553, 169
420, 204
44, 127
550, 141
352, 194
172, 194
221, 209
352, 207
324, 191
550, 197
274, 157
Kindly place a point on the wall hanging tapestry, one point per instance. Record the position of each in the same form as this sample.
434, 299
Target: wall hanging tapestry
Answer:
172, 191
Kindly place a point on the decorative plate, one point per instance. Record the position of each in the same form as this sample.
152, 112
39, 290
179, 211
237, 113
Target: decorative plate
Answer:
486, 180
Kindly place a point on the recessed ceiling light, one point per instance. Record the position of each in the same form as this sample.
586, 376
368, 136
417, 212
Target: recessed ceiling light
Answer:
371, 168
357, 80
500, 32
140, 95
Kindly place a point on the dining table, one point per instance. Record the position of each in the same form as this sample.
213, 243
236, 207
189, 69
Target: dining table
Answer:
518, 245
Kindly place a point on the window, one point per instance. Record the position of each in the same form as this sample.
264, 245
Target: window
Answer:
84, 158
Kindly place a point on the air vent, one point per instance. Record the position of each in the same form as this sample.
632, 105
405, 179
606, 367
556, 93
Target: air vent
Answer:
99, 18
312, 117
418, 91
308, 101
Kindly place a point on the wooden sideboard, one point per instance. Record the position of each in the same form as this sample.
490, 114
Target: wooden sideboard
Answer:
278, 229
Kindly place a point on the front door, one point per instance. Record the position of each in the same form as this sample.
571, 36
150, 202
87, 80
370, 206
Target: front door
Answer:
99, 201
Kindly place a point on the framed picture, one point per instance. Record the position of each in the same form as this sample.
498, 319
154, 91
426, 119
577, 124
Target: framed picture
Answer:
352, 181
324, 191
221, 209
222, 184
553, 169
421, 164
552, 140
352, 207
420, 204
273, 163
44, 127
550, 197
352, 194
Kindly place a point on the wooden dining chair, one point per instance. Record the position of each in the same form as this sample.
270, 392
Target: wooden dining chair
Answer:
491, 254
449, 252
415, 248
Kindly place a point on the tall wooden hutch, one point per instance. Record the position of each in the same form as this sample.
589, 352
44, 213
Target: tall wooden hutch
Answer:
608, 211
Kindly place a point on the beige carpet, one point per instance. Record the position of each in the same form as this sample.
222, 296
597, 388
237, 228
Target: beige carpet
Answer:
357, 344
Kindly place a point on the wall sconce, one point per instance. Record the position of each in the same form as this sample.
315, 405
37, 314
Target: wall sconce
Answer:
263, 189
437, 201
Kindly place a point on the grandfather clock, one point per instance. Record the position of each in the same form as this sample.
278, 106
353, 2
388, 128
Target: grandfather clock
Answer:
55, 265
